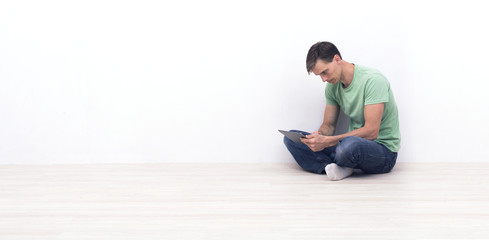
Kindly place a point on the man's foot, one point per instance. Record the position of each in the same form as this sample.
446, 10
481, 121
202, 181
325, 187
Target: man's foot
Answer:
336, 172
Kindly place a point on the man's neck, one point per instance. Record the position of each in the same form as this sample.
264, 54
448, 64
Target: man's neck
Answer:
348, 70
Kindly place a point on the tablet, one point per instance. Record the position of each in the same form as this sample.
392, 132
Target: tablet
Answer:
294, 136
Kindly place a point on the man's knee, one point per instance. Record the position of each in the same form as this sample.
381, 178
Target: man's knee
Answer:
347, 145
346, 150
288, 143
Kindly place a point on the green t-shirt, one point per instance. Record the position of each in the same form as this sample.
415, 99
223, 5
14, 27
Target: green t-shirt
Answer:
368, 86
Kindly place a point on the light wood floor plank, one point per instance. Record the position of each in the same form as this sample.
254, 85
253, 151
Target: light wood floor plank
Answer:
242, 201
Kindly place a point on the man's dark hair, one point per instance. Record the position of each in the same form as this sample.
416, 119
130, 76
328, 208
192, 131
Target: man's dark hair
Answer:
321, 50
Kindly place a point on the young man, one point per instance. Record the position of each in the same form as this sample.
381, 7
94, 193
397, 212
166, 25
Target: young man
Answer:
363, 94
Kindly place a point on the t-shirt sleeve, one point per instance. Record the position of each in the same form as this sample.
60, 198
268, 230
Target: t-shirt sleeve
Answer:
377, 90
330, 97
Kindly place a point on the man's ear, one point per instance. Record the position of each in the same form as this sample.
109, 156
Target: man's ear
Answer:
337, 58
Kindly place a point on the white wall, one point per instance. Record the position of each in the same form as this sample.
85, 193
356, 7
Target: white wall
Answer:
186, 81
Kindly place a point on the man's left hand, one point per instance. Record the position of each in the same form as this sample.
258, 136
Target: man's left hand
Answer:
317, 142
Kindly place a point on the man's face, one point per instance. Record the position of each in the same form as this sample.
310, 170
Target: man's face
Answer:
328, 71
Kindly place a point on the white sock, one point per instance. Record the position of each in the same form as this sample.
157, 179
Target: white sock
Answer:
336, 172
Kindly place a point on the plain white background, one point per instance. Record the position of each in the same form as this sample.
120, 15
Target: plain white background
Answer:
212, 81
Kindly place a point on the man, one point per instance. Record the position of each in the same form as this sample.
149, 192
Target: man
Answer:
363, 94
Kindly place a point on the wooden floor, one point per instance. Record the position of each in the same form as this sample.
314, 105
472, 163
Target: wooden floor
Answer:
242, 201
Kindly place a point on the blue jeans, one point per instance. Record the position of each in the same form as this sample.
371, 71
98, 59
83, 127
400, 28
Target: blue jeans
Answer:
353, 152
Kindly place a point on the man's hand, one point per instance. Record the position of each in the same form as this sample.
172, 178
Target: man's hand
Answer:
317, 142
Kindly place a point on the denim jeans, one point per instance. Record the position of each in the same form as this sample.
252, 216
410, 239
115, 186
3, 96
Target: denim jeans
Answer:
353, 152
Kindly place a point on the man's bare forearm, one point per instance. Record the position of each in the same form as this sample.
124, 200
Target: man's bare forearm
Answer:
326, 130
